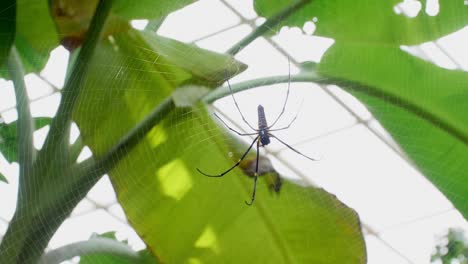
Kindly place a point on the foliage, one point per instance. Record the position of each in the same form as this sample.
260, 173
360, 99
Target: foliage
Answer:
452, 248
159, 87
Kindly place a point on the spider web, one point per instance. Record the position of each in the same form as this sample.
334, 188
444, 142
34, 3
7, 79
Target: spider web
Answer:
329, 122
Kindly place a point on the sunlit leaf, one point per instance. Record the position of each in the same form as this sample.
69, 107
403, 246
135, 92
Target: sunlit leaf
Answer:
182, 215
133, 72
208, 215
363, 21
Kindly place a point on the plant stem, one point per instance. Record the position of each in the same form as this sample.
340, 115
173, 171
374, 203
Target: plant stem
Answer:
97, 245
351, 87
20, 245
25, 128
270, 23
72, 88
224, 91
26, 153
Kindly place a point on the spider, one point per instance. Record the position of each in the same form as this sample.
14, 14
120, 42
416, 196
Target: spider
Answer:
262, 135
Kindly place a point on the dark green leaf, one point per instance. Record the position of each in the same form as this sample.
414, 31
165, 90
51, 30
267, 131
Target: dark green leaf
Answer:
440, 153
7, 28
3, 178
363, 21
8, 139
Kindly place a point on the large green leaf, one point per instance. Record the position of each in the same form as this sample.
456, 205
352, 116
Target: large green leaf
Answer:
428, 118
187, 217
182, 215
367, 21
133, 73
7, 28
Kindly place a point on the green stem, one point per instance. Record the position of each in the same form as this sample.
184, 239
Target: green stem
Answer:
224, 91
73, 85
268, 25
97, 245
25, 127
15, 235
349, 86
20, 245
75, 149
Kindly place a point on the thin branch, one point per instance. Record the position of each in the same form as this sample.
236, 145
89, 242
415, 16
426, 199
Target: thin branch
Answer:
349, 86
224, 91
267, 25
98, 245
25, 127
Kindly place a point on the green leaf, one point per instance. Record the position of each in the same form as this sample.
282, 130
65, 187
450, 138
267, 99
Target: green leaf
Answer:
148, 9
8, 138
3, 178
133, 72
437, 144
145, 258
7, 28
363, 21
36, 35
182, 215
208, 215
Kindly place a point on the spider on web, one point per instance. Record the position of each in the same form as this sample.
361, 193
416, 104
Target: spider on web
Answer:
263, 135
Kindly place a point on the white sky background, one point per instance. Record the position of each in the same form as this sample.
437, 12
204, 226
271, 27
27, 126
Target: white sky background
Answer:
402, 213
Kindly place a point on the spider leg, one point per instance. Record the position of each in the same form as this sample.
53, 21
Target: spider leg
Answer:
291, 148
237, 106
231, 168
292, 121
255, 177
287, 94
232, 129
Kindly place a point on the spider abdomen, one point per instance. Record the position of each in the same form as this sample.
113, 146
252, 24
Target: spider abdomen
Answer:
262, 123
263, 126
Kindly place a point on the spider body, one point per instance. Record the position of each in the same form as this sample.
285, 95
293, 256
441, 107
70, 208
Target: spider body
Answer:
262, 126
262, 136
